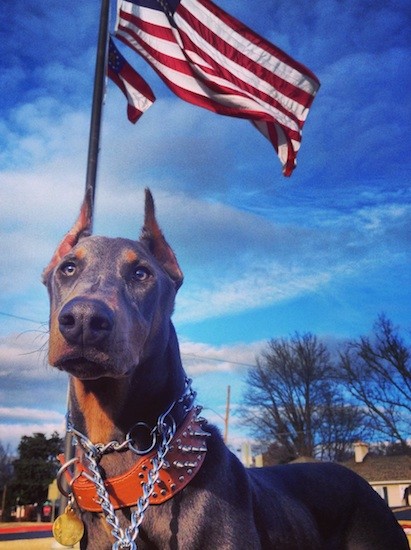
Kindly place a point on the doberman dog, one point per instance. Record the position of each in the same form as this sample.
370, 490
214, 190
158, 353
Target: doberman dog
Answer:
149, 470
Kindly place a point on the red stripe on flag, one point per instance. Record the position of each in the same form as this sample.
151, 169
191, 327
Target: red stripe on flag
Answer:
257, 40
232, 53
249, 90
156, 31
138, 93
209, 102
209, 58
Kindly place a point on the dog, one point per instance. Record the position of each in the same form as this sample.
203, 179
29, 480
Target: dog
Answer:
149, 471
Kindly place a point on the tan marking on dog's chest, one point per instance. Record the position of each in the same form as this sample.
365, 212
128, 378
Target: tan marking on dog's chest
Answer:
99, 419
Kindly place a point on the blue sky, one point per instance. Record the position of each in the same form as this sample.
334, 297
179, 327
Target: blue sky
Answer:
325, 251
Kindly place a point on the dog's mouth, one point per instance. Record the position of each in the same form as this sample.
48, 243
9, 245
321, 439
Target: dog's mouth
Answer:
88, 369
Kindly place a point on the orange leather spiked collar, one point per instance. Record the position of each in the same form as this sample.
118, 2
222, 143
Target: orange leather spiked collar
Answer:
184, 459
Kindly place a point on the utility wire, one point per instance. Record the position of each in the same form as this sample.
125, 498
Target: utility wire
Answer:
204, 358
21, 318
192, 355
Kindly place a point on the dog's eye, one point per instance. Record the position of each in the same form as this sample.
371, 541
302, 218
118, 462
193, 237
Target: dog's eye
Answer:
68, 269
141, 274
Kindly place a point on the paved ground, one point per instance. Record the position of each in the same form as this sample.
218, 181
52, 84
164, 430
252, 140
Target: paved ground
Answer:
32, 536
48, 543
32, 544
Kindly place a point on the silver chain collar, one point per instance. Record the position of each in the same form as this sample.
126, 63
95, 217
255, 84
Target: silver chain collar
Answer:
100, 449
164, 431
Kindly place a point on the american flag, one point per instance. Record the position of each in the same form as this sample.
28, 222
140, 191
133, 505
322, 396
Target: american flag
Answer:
138, 93
210, 59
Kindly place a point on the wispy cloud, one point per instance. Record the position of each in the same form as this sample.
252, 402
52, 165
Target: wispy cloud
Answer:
336, 234
201, 358
18, 413
268, 284
11, 434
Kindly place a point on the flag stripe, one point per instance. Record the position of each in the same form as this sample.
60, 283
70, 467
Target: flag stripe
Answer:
185, 86
156, 48
241, 37
274, 71
178, 76
171, 48
152, 22
259, 91
175, 69
138, 93
190, 89
209, 58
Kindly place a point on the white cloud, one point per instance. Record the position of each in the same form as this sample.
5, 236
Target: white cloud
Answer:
269, 284
234, 261
201, 358
11, 434
16, 413
27, 383
23, 351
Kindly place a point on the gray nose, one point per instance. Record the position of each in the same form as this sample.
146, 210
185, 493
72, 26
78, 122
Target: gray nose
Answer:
85, 321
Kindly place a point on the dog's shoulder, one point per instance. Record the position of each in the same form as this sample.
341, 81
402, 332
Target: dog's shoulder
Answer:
332, 502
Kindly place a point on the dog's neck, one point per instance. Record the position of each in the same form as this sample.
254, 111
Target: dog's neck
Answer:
107, 408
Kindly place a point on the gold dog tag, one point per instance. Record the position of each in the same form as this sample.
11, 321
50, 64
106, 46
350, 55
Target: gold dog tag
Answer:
68, 529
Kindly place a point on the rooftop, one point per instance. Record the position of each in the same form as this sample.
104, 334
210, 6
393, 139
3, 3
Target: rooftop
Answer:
375, 468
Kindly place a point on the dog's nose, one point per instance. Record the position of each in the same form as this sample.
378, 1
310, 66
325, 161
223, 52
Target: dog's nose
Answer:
86, 322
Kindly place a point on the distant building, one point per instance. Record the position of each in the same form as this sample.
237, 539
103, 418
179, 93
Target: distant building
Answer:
390, 476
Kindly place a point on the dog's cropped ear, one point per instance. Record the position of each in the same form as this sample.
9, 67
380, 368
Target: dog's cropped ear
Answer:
82, 228
153, 238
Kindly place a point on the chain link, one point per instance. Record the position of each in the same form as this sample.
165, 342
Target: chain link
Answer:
100, 449
126, 538
165, 428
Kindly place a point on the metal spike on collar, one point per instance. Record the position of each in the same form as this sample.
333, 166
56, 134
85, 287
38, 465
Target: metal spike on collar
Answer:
166, 427
186, 464
199, 433
191, 449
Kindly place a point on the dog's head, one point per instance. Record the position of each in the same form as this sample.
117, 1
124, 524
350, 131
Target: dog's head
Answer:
110, 299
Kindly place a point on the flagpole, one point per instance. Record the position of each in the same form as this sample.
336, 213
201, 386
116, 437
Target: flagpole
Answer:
92, 160
97, 105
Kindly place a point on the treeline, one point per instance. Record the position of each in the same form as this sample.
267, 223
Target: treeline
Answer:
307, 397
24, 479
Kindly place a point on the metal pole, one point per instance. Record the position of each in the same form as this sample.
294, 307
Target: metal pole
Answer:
227, 414
97, 105
92, 157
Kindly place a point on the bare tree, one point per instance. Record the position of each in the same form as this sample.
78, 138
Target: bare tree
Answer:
377, 372
293, 402
342, 423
